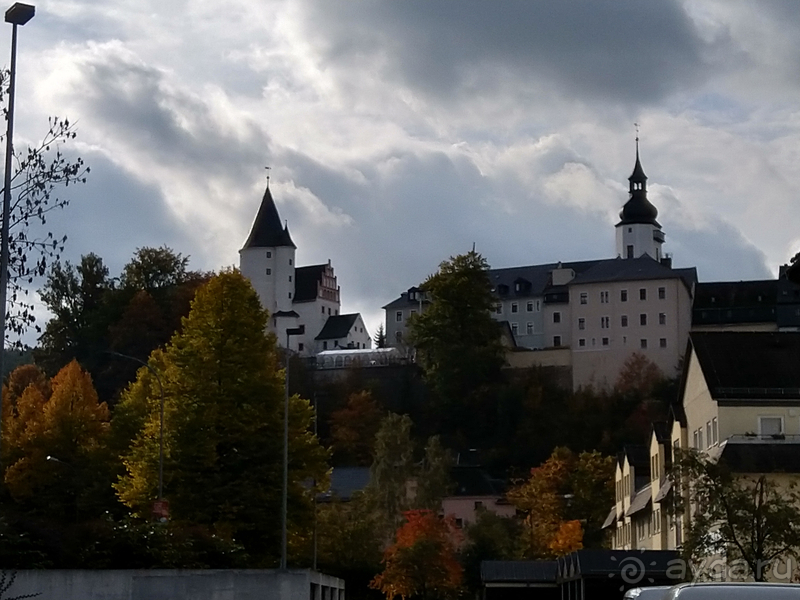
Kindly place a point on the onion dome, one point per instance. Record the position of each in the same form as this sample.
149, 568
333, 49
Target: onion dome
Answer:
638, 208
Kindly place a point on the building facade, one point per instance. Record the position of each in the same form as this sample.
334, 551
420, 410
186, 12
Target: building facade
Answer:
296, 297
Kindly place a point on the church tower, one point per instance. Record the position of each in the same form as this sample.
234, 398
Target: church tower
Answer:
638, 232
268, 261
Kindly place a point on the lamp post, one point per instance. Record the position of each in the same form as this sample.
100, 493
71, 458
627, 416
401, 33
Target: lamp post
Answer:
285, 499
160, 423
19, 14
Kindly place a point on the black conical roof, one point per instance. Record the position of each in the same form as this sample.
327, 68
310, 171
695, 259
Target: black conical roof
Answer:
267, 231
638, 208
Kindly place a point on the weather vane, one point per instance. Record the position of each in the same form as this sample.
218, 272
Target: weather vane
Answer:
267, 168
636, 125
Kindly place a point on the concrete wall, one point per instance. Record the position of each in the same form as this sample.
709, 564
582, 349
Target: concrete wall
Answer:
211, 584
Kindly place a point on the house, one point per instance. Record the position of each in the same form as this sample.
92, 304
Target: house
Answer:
739, 401
474, 491
599, 311
307, 297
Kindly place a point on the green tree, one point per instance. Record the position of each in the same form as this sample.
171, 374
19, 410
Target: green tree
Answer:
223, 389
490, 537
458, 342
749, 518
380, 337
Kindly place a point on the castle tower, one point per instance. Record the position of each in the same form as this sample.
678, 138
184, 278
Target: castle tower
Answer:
638, 232
268, 261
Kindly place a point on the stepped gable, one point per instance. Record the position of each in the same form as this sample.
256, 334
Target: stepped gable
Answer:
306, 280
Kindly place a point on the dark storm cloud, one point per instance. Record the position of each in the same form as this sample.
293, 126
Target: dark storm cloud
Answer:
618, 50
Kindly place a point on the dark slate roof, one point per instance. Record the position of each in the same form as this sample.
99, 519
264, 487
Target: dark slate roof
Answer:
735, 302
285, 313
345, 481
664, 490
638, 208
762, 456
662, 431
537, 275
474, 481
607, 564
518, 571
634, 269
611, 518
640, 500
267, 230
749, 364
337, 327
305, 282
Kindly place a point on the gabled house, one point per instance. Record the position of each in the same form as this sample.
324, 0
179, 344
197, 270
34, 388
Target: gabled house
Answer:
739, 401
343, 332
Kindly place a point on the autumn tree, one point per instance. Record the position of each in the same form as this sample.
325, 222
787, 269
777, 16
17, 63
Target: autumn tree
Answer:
422, 562
457, 340
57, 461
353, 429
490, 537
751, 519
564, 502
223, 388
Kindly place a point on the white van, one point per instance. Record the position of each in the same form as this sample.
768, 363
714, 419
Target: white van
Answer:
734, 591
656, 592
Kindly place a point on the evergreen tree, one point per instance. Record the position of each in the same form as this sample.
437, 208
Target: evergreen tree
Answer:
223, 389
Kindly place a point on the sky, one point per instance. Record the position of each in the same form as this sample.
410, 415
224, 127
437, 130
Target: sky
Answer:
400, 133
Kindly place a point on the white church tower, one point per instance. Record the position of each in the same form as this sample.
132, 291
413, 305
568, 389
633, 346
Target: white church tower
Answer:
638, 232
268, 261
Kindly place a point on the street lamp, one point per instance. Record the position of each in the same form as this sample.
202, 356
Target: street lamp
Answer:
160, 424
285, 500
19, 14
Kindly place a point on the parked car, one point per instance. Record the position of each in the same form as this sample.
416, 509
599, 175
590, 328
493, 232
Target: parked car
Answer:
734, 591
656, 592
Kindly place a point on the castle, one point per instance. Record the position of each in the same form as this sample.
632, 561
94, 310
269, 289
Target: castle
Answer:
297, 298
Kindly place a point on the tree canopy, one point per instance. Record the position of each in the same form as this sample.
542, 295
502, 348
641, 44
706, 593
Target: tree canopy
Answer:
223, 394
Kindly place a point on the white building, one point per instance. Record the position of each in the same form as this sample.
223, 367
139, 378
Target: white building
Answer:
602, 310
295, 297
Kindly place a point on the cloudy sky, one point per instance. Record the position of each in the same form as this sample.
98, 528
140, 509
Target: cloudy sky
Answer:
400, 133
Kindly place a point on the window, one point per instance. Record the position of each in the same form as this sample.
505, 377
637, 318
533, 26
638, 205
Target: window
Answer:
643, 319
584, 297
300, 347
529, 328
630, 251
478, 505
269, 271
556, 317
603, 297
529, 307
514, 307
623, 295
581, 323
643, 344
662, 342
398, 316
605, 322
398, 336
323, 309
695, 439
582, 342
290, 295
662, 318
708, 434
700, 438
556, 340
662, 293
269, 254
329, 313
643, 294
624, 320
605, 341
290, 279
290, 262
325, 344
714, 430
514, 328
770, 425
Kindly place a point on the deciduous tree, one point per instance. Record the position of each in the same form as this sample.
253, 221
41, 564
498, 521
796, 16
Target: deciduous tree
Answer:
223, 389
422, 562
353, 429
752, 519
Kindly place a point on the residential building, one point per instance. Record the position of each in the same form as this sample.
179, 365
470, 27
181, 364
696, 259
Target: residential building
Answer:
739, 401
296, 296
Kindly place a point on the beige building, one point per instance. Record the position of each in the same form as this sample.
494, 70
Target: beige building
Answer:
739, 401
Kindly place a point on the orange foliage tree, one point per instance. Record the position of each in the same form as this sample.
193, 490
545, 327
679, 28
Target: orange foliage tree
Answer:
353, 428
422, 562
562, 495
